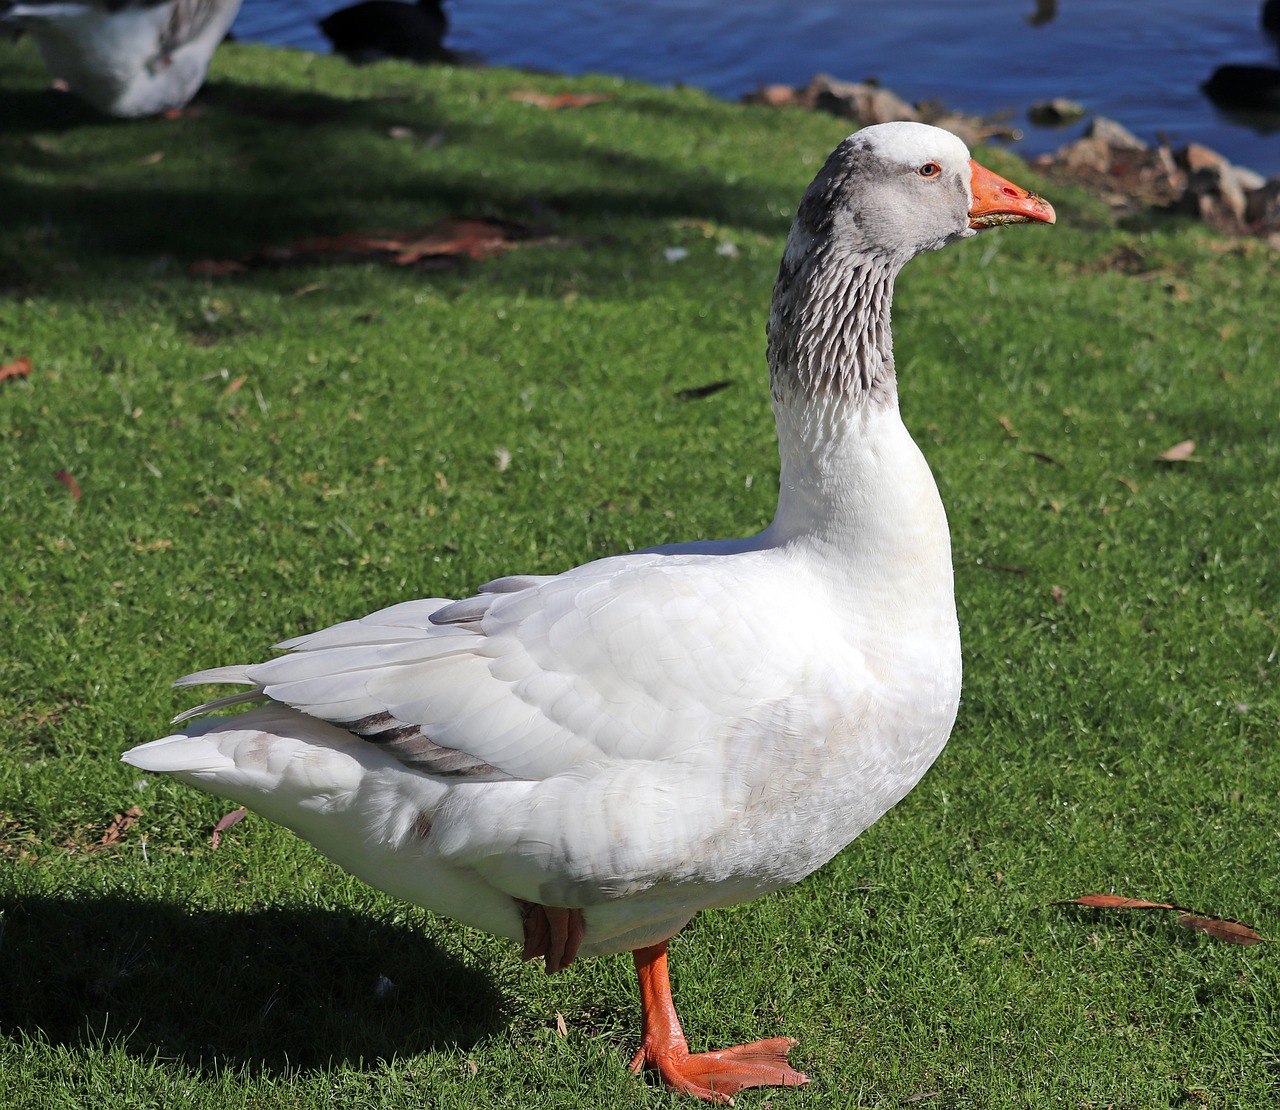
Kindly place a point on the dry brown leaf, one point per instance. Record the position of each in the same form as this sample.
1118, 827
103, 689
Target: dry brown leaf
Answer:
1115, 902
446, 241
216, 267
18, 368
232, 818
345, 244
1179, 452
1221, 928
1233, 932
460, 236
120, 824
555, 101
69, 483
561, 1025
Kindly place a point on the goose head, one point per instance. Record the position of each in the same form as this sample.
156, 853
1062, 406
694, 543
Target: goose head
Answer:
885, 194
895, 190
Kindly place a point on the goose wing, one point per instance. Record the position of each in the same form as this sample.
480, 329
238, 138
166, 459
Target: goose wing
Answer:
638, 657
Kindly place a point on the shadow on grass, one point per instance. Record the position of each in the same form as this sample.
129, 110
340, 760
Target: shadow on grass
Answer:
264, 165
275, 990
31, 111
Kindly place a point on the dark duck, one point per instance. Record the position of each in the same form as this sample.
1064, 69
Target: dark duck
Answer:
374, 30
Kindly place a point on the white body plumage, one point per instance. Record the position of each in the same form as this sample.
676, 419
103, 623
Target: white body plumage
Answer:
667, 731
691, 726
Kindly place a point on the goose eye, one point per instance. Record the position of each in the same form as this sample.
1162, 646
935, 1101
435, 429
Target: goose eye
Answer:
930, 169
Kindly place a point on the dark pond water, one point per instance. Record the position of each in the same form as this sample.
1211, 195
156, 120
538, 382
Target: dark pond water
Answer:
1138, 61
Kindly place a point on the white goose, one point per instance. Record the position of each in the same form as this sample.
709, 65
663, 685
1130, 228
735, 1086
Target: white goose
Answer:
126, 57
582, 761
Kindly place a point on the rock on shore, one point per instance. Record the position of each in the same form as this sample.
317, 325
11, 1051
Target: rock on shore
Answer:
1130, 174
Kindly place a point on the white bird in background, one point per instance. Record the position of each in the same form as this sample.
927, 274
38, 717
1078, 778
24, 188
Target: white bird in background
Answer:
126, 57
582, 761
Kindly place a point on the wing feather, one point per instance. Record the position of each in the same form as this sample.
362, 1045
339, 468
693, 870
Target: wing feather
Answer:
638, 657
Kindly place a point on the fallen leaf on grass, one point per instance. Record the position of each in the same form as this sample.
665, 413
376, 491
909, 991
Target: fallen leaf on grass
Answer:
120, 824
447, 241
1179, 452
1046, 458
69, 483
232, 818
1223, 928
216, 267
555, 101
463, 236
1115, 902
1233, 932
697, 392
18, 368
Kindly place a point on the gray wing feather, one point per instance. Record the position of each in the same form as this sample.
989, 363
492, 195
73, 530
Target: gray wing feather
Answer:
187, 21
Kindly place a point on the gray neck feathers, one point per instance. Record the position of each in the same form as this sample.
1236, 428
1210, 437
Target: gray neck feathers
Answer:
829, 336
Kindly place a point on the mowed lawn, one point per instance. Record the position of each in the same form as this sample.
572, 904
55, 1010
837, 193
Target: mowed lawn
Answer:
261, 454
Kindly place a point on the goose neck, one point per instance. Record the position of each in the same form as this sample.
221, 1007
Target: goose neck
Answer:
830, 344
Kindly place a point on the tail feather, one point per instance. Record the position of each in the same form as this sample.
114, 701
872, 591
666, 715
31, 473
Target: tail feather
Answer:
189, 753
217, 676
308, 775
220, 703
269, 749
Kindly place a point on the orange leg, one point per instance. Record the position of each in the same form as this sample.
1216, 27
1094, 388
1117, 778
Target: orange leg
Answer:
713, 1076
551, 932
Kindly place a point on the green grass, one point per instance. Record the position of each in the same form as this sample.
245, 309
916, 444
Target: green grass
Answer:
1122, 735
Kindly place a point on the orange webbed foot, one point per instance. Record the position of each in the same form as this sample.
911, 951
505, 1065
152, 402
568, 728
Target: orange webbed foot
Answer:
713, 1076
718, 1076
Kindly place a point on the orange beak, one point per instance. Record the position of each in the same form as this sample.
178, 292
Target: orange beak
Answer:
997, 201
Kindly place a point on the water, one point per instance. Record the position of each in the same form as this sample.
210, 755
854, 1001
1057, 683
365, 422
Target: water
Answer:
1138, 62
